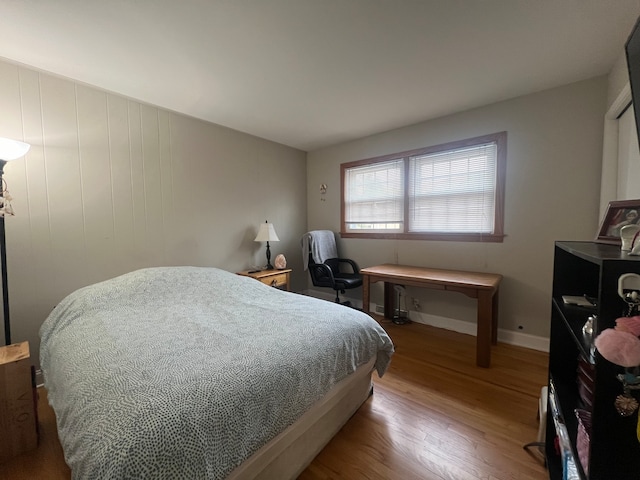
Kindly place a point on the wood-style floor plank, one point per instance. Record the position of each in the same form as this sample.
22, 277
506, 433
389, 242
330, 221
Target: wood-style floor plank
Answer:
434, 415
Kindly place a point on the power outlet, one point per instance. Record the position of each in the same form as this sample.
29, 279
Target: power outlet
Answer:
416, 304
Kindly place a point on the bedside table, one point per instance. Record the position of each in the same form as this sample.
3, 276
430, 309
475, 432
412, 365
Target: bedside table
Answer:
274, 278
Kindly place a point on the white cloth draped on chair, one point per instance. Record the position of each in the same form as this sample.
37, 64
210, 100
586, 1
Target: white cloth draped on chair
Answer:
321, 244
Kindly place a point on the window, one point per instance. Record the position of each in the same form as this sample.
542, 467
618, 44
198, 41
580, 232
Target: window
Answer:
453, 191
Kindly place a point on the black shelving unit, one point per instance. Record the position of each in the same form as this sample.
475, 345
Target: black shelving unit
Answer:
592, 269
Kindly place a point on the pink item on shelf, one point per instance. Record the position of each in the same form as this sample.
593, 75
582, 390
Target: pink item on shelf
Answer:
584, 437
629, 324
621, 348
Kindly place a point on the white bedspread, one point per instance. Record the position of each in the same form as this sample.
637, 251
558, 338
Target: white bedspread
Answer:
184, 372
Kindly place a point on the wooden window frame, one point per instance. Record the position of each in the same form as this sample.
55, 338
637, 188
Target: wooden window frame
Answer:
496, 236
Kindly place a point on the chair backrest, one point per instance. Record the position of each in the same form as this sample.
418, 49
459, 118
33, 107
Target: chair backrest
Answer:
323, 245
318, 245
319, 275
334, 265
320, 256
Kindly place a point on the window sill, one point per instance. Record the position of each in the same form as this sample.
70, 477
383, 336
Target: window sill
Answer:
445, 237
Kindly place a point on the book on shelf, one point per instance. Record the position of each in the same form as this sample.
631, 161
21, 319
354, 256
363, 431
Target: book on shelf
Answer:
579, 300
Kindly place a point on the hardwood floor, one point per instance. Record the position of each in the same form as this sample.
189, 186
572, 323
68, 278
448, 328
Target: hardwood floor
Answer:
434, 415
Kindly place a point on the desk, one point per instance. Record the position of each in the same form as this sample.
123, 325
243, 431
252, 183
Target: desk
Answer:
483, 286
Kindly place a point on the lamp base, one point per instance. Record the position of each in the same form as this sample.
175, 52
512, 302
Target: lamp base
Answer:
269, 266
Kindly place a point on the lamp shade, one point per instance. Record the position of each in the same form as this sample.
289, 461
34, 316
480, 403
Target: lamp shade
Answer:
12, 149
267, 233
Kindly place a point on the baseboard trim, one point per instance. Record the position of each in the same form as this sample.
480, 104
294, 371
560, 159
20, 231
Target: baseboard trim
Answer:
505, 336
510, 337
526, 340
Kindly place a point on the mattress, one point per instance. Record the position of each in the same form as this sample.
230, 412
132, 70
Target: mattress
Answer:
186, 372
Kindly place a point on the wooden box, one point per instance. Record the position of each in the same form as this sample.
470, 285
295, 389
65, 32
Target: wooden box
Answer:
18, 422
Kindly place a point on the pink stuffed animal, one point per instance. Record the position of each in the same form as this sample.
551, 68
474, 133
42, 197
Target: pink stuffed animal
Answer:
621, 345
629, 324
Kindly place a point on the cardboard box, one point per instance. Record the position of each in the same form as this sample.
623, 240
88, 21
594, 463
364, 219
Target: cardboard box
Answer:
18, 422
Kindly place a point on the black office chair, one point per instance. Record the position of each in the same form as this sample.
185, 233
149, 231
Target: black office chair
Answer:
340, 274
329, 274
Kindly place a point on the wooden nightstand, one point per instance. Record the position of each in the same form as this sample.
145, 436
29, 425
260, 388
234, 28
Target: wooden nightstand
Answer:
273, 278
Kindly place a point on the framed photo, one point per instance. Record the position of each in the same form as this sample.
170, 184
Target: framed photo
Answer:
619, 214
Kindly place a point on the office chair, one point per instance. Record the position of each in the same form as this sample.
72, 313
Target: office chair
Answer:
325, 267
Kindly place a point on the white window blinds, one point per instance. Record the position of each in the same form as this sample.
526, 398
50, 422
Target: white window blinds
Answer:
448, 192
374, 196
453, 191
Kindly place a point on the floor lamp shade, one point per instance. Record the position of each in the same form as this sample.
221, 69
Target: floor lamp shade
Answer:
9, 150
267, 233
12, 149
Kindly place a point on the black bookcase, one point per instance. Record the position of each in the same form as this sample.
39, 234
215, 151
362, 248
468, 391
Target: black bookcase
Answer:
592, 269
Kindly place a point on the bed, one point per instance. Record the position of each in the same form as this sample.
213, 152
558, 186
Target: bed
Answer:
191, 372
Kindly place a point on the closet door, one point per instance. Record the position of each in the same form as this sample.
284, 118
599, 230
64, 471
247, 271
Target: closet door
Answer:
628, 157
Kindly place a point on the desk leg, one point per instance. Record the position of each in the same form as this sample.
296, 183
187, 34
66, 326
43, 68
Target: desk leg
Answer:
365, 294
494, 319
485, 334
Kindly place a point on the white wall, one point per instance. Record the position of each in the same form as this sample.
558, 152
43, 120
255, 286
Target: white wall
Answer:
111, 185
552, 193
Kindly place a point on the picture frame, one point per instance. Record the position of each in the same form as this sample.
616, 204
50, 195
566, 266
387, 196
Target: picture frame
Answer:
619, 214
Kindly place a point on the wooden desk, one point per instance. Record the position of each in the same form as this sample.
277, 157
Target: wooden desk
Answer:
483, 286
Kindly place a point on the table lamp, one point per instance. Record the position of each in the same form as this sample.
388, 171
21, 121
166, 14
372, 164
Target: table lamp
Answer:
267, 234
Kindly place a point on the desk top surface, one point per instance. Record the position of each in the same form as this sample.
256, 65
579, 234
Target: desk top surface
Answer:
435, 275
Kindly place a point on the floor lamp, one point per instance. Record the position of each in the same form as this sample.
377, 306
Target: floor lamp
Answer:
9, 150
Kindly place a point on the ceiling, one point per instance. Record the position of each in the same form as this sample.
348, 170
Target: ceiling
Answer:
313, 73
